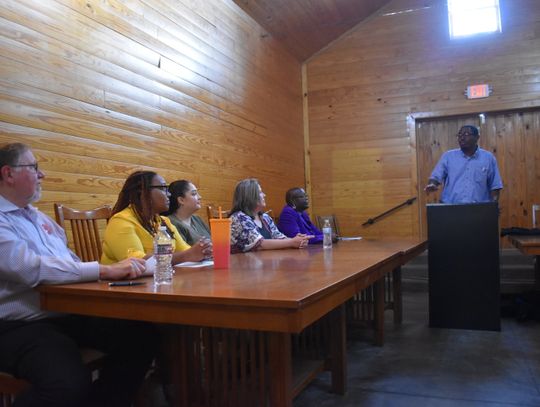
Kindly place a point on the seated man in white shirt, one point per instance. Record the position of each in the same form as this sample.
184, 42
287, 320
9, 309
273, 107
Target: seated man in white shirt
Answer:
43, 347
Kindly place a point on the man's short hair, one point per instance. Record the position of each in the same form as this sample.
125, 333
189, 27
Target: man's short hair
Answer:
472, 129
291, 194
10, 154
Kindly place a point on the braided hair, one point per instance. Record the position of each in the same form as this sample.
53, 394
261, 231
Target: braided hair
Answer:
136, 192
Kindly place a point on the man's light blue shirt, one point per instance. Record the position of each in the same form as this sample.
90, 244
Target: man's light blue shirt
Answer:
467, 179
33, 251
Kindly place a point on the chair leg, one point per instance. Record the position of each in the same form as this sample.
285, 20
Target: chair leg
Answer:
398, 298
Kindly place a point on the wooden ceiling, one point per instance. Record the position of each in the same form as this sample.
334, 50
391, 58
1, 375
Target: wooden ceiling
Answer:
306, 26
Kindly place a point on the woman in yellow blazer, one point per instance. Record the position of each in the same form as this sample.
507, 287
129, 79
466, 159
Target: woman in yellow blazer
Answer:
130, 231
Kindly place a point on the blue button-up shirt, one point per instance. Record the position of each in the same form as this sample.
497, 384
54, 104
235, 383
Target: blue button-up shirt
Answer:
33, 251
467, 179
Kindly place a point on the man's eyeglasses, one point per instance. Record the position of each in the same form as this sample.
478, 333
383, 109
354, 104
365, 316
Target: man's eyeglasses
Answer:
459, 135
164, 188
34, 166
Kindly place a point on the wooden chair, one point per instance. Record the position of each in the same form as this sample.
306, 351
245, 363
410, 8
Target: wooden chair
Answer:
212, 212
10, 386
333, 222
84, 228
275, 217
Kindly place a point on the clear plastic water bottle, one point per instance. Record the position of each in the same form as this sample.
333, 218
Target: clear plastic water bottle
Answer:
163, 250
327, 235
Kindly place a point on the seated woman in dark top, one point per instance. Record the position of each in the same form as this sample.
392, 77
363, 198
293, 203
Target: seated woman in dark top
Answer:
294, 219
184, 202
251, 229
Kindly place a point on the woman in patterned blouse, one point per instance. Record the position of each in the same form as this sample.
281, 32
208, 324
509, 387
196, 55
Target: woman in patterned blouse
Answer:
251, 229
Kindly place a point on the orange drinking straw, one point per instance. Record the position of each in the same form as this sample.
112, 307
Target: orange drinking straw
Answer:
219, 210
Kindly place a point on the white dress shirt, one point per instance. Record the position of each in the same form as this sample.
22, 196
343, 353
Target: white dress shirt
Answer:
33, 250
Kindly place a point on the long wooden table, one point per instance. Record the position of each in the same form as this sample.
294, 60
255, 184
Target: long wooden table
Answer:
529, 245
269, 294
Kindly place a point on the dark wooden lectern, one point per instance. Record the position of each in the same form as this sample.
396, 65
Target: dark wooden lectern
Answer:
464, 282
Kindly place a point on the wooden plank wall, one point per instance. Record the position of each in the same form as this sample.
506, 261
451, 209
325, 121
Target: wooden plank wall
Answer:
366, 88
190, 89
513, 136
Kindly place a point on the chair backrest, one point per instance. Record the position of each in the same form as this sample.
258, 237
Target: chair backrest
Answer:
275, 217
333, 222
213, 212
84, 229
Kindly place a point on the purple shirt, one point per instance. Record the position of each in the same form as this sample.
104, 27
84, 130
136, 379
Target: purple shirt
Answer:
467, 179
292, 222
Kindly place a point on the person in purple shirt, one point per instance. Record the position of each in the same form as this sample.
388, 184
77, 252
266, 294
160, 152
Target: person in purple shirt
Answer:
469, 174
294, 219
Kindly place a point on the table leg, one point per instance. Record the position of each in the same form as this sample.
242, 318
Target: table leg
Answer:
398, 299
379, 312
338, 350
280, 365
175, 345
537, 273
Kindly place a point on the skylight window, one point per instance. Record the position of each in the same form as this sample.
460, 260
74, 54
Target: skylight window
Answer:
469, 17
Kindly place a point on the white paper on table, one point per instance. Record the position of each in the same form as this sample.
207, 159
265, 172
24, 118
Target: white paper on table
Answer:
195, 264
150, 266
350, 238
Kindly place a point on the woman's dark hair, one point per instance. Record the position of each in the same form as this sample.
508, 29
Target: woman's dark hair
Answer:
246, 196
136, 193
177, 188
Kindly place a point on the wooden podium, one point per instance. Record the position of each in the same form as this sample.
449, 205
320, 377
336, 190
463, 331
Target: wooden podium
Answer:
464, 275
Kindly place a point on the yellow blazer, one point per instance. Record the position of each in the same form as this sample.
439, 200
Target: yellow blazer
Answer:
125, 233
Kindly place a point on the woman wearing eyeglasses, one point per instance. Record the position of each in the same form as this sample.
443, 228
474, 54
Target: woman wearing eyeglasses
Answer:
184, 202
251, 229
130, 231
294, 218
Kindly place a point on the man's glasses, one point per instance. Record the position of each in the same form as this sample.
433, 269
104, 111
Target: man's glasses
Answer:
459, 135
34, 166
164, 188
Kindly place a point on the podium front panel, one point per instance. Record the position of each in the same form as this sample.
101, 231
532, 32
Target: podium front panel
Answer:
463, 258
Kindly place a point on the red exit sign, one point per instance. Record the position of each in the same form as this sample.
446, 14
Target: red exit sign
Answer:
478, 91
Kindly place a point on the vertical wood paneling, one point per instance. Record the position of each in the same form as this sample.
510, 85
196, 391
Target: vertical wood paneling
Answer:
186, 88
434, 137
364, 89
512, 136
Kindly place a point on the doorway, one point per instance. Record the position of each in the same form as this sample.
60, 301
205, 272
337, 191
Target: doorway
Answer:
512, 136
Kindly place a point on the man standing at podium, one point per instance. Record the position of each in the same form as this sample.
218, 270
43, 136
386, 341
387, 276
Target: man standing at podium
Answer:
469, 174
